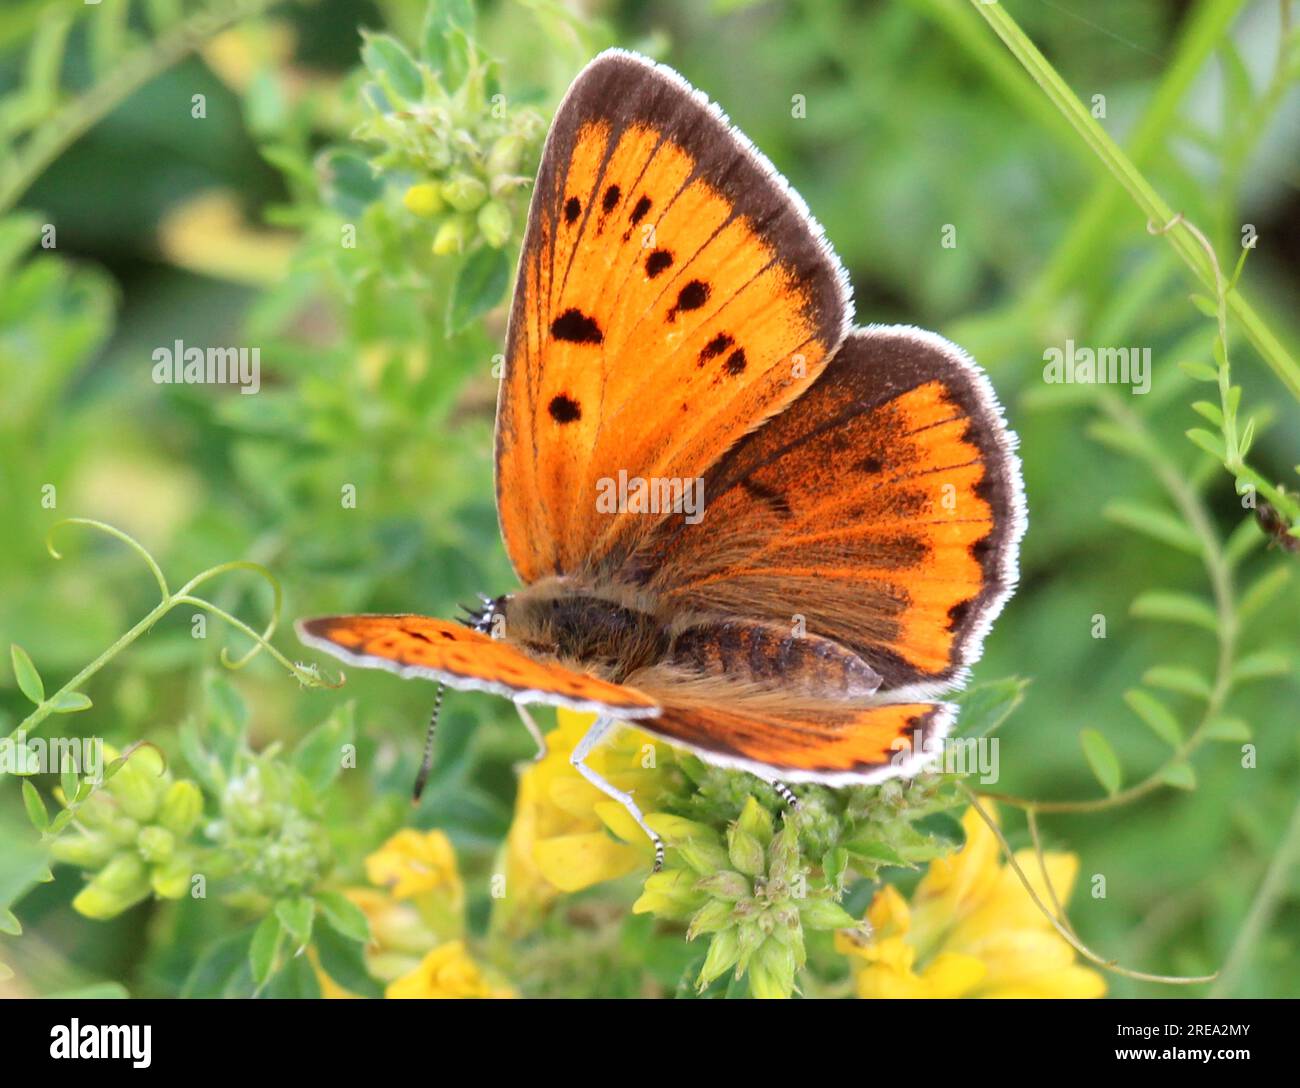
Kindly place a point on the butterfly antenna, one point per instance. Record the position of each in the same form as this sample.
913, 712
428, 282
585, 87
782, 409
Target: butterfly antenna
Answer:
426, 763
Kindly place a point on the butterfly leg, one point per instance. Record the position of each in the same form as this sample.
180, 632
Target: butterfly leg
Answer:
533, 731
593, 737
787, 795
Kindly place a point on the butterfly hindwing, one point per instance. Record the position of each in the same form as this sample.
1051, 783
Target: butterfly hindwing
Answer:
435, 649
834, 745
882, 510
672, 293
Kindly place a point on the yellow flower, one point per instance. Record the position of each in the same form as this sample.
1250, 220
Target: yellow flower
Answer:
971, 930
447, 971
560, 839
414, 862
419, 905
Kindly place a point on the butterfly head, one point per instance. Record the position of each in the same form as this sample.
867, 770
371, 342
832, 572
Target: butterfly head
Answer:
482, 617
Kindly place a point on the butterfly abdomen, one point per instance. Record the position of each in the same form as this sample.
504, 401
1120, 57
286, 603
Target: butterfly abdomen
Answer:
767, 655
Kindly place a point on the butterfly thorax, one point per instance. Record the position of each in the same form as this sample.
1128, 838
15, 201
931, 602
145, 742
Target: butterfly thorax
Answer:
608, 637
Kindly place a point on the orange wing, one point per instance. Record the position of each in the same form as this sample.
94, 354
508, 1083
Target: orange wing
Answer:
884, 507
462, 658
832, 745
672, 293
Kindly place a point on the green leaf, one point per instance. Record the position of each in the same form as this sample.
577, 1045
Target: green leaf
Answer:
319, 755
1200, 372
343, 960
1210, 443
390, 63
985, 706
1264, 591
1228, 729
1175, 608
263, 952
1261, 666
1206, 305
480, 286
1212, 412
1179, 775
1177, 678
875, 851
1102, 759
1158, 524
69, 702
36, 810
70, 783
1152, 711
9, 923
296, 916
344, 916
29, 680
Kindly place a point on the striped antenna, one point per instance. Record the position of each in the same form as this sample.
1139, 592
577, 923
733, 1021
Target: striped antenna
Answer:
426, 763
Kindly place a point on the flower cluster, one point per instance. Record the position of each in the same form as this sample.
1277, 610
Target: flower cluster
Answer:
269, 831
134, 835
417, 924
466, 147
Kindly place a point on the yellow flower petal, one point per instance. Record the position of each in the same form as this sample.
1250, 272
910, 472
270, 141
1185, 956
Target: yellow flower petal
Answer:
574, 862
446, 972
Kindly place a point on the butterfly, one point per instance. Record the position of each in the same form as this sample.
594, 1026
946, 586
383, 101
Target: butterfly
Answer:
758, 532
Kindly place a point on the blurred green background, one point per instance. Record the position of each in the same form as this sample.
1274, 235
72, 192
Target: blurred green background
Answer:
224, 230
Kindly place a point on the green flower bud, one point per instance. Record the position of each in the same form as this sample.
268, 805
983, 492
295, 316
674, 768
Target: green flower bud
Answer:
726, 884
669, 894
122, 883
90, 851
124, 871
452, 236
171, 879
138, 786
97, 811
749, 936
423, 200
494, 223
771, 972
825, 914
156, 844
724, 951
784, 861
182, 807
756, 821
123, 831
704, 857
505, 154
745, 850
464, 192
715, 915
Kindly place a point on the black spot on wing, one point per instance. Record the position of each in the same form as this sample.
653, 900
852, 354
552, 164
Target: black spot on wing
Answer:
564, 409
575, 327
736, 362
715, 347
572, 209
691, 297
610, 200
640, 210
657, 262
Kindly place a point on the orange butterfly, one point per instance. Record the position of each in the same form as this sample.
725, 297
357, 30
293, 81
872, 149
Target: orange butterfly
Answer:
767, 536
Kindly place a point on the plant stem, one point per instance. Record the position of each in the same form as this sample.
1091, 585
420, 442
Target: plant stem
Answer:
1271, 890
90, 107
1159, 214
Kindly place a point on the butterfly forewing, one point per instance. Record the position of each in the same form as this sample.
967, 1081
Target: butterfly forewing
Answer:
672, 294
